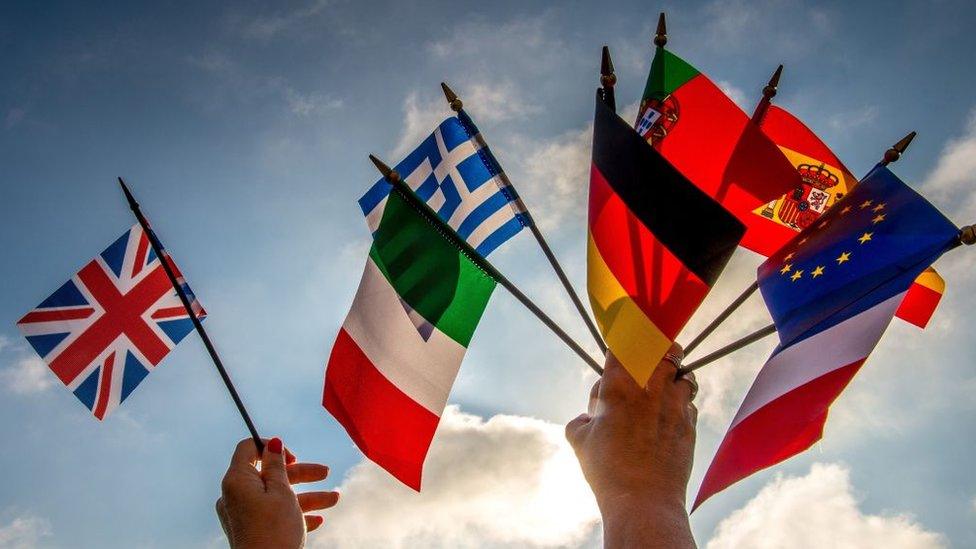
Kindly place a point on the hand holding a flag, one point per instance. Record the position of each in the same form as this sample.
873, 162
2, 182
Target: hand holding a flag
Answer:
258, 508
636, 445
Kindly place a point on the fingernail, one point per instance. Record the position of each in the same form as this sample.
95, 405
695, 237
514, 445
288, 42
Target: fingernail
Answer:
274, 445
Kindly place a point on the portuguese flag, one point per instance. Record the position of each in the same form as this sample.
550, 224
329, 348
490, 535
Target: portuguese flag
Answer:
656, 245
694, 125
823, 181
399, 349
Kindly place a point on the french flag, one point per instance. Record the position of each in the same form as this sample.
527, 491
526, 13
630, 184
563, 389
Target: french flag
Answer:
832, 291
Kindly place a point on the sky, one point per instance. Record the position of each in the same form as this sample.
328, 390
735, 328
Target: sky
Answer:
243, 129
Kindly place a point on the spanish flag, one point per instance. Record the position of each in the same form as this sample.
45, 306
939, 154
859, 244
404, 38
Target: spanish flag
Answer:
824, 181
708, 138
656, 244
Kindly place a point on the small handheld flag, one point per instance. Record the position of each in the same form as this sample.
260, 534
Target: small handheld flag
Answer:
703, 134
656, 244
831, 293
111, 324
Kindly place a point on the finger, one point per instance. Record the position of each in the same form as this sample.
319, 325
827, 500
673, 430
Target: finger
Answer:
574, 427
663, 375
307, 472
273, 464
314, 501
687, 386
245, 455
616, 381
591, 405
290, 457
312, 522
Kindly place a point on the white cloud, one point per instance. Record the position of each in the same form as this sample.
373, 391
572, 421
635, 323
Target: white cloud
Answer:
269, 26
14, 117
853, 119
509, 481
487, 103
24, 532
28, 375
735, 94
305, 105
748, 25
554, 174
817, 510
951, 181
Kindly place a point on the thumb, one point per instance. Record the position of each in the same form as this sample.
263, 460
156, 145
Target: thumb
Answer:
273, 465
574, 428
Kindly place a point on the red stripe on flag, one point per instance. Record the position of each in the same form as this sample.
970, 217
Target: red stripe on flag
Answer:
919, 305
170, 312
777, 431
54, 316
140, 260
666, 291
387, 425
104, 386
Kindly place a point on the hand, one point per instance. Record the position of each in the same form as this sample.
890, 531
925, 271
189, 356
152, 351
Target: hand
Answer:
636, 446
259, 508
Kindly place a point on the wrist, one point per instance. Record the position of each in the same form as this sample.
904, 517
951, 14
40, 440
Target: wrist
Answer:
630, 521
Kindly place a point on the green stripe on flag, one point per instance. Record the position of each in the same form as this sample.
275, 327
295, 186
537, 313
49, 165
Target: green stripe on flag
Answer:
668, 73
429, 272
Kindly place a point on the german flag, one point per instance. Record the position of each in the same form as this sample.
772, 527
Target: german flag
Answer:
656, 244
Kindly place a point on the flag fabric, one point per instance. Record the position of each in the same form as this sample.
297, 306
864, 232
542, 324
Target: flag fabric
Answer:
656, 245
398, 351
922, 298
825, 180
831, 293
455, 173
112, 323
699, 130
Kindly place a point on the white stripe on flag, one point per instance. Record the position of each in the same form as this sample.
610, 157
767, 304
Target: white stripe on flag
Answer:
818, 355
378, 323
489, 225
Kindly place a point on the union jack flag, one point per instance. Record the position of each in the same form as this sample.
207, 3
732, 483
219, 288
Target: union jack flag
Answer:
108, 326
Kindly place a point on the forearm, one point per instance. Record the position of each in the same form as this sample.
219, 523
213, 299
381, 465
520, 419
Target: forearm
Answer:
647, 525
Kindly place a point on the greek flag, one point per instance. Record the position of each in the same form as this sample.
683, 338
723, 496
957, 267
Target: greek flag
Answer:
455, 173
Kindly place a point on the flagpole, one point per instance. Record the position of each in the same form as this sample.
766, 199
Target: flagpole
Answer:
157, 247
661, 34
728, 349
608, 79
890, 155
393, 178
457, 106
967, 236
768, 93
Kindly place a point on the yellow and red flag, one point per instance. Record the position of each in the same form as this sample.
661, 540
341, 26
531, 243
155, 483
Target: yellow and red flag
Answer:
656, 245
824, 181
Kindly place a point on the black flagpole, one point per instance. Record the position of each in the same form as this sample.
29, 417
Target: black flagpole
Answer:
890, 155
608, 79
399, 186
457, 106
157, 247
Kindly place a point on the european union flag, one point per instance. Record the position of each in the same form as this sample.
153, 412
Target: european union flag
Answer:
869, 247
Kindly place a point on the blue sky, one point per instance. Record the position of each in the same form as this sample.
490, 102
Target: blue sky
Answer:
243, 129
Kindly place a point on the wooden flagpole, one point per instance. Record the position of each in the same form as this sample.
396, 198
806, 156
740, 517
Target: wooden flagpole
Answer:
160, 252
457, 106
399, 186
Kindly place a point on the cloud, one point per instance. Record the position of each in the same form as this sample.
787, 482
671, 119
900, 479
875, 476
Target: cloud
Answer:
950, 182
735, 94
508, 481
306, 105
487, 103
853, 119
24, 532
747, 25
268, 26
26, 376
817, 510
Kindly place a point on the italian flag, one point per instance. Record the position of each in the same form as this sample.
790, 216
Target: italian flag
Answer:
398, 351
708, 138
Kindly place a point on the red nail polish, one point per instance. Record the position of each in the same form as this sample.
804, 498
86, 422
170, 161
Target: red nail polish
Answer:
274, 445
